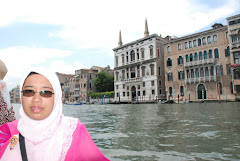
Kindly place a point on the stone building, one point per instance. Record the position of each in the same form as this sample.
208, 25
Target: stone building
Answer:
76, 87
139, 69
234, 40
197, 66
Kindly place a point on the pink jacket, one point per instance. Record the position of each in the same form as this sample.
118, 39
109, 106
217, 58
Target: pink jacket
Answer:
82, 147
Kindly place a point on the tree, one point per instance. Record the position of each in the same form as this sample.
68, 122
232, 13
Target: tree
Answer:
104, 82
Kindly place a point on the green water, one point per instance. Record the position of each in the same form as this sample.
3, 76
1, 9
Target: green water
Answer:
165, 132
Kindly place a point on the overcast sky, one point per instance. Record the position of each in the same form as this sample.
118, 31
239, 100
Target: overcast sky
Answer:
66, 35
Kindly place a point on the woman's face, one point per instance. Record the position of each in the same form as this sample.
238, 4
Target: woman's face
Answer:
37, 107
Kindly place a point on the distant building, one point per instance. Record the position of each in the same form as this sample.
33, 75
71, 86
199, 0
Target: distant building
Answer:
76, 87
139, 69
15, 95
234, 40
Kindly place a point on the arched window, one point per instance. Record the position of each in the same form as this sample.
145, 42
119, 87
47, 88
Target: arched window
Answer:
216, 53
169, 62
200, 55
180, 60
195, 57
168, 49
199, 42
170, 76
123, 59
123, 74
227, 52
152, 69
132, 55
215, 38
179, 46
182, 90
201, 72
204, 41
191, 57
187, 58
196, 72
142, 53
192, 73
133, 72
206, 71
219, 87
143, 71
205, 54
218, 70
170, 91
117, 73
210, 54
227, 36
116, 60
151, 51
194, 43
209, 39
212, 71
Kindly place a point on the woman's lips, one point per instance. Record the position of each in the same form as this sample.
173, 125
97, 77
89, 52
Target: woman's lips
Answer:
36, 109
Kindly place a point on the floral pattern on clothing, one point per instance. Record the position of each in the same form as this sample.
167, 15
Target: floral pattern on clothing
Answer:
5, 114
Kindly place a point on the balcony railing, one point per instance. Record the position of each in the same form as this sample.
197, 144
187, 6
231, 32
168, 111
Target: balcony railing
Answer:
132, 80
236, 44
200, 79
199, 62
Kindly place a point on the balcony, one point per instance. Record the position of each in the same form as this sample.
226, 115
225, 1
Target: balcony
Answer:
200, 79
235, 44
199, 62
133, 80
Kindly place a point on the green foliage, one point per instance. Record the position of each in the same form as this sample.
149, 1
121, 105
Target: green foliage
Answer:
104, 82
96, 95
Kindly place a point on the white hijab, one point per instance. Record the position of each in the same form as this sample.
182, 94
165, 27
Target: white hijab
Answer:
47, 139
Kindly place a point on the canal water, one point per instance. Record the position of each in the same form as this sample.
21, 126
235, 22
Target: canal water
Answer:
164, 132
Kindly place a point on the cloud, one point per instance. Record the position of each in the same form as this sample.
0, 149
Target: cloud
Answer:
20, 58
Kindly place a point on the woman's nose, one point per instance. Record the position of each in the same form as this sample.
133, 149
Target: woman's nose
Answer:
36, 97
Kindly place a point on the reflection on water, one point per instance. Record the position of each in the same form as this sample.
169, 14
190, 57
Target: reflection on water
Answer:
176, 132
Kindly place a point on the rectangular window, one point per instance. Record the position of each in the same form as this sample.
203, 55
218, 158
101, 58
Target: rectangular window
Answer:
143, 84
144, 93
153, 92
123, 86
236, 58
152, 83
159, 71
123, 94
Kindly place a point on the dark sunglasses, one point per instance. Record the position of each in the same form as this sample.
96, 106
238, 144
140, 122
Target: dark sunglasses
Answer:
31, 93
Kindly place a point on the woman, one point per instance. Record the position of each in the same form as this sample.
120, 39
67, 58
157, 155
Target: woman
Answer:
6, 110
48, 134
